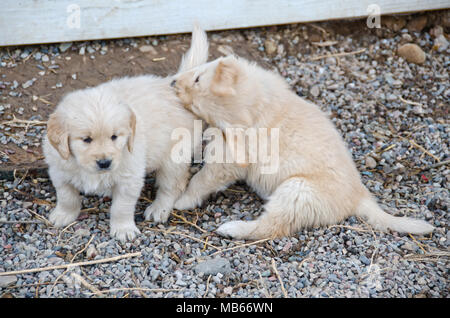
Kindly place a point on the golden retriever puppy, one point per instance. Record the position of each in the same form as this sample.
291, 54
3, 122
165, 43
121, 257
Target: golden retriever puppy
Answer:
315, 181
103, 140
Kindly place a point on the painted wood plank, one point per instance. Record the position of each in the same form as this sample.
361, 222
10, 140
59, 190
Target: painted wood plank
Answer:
48, 21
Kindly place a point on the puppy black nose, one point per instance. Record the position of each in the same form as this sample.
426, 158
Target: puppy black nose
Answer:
173, 83
104, 163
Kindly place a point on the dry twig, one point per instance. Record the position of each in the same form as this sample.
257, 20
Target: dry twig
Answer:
83, 282
239, 246
207, 286
15, 121
326, 43
319, 57
412, 142
64, 266
409, 102
418, 243
40, 217
154, 290
428, 257
185, 235
266, 290
21, 222
182, 218
436, 165
274, 266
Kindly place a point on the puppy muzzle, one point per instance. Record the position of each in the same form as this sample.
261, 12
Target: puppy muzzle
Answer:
104, 164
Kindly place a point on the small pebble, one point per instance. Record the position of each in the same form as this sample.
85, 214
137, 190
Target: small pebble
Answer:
412, 53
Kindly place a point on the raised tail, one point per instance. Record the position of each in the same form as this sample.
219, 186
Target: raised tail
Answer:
197, 53
375, 216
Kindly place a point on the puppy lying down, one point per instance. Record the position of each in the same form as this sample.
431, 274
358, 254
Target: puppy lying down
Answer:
316, 182
103, 140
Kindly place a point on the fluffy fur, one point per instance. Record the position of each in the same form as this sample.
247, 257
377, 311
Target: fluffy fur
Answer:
317, 182
103, 140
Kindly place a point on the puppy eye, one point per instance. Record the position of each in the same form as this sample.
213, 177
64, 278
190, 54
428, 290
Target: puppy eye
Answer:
197, 79
87, 140
113, 137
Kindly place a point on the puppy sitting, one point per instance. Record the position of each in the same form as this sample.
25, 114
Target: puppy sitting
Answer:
103, 140
316, 182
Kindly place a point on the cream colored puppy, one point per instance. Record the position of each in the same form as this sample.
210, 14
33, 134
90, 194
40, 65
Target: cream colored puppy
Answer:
103, 140
316, 182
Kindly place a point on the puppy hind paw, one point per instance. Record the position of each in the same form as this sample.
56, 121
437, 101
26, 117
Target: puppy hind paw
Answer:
236, 229
186, 202
60, 218
124, 233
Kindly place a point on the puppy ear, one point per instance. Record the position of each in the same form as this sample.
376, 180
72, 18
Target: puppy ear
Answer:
58, 135
225, 77
130, 141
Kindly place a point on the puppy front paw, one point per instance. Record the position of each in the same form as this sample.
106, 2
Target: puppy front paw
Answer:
59, 217
157, 212
186, 202
124, 232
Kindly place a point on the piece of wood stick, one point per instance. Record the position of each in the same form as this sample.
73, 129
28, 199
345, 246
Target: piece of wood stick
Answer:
315, 58
418, 243
64, 230
83, 282
185, 235
325, 43
182, 218
86, 263
409, 102
266, 290
16, 120
412, 142
428, 255
21, 222
145, 199
303, 261
319, 28
154, 290
274, 266
436, 165
83, 249
45, 101
233, 190
207, 286
239, 246
138, 285
40, 217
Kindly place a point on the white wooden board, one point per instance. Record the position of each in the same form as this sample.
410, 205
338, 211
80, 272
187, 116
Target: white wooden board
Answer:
48, 21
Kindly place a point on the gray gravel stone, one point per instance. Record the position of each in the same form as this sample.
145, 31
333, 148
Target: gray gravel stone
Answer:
364, 260
8, 280
315, 91
371, 163
65, 46
214, 266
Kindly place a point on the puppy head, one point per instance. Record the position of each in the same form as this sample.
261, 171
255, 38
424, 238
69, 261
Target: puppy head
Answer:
93, 128
211, 91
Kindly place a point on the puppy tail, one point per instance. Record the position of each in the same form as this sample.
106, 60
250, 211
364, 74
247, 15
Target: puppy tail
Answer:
375, 216
198, 52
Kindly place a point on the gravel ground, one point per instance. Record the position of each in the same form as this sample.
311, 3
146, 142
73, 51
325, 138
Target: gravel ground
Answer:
393, 115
